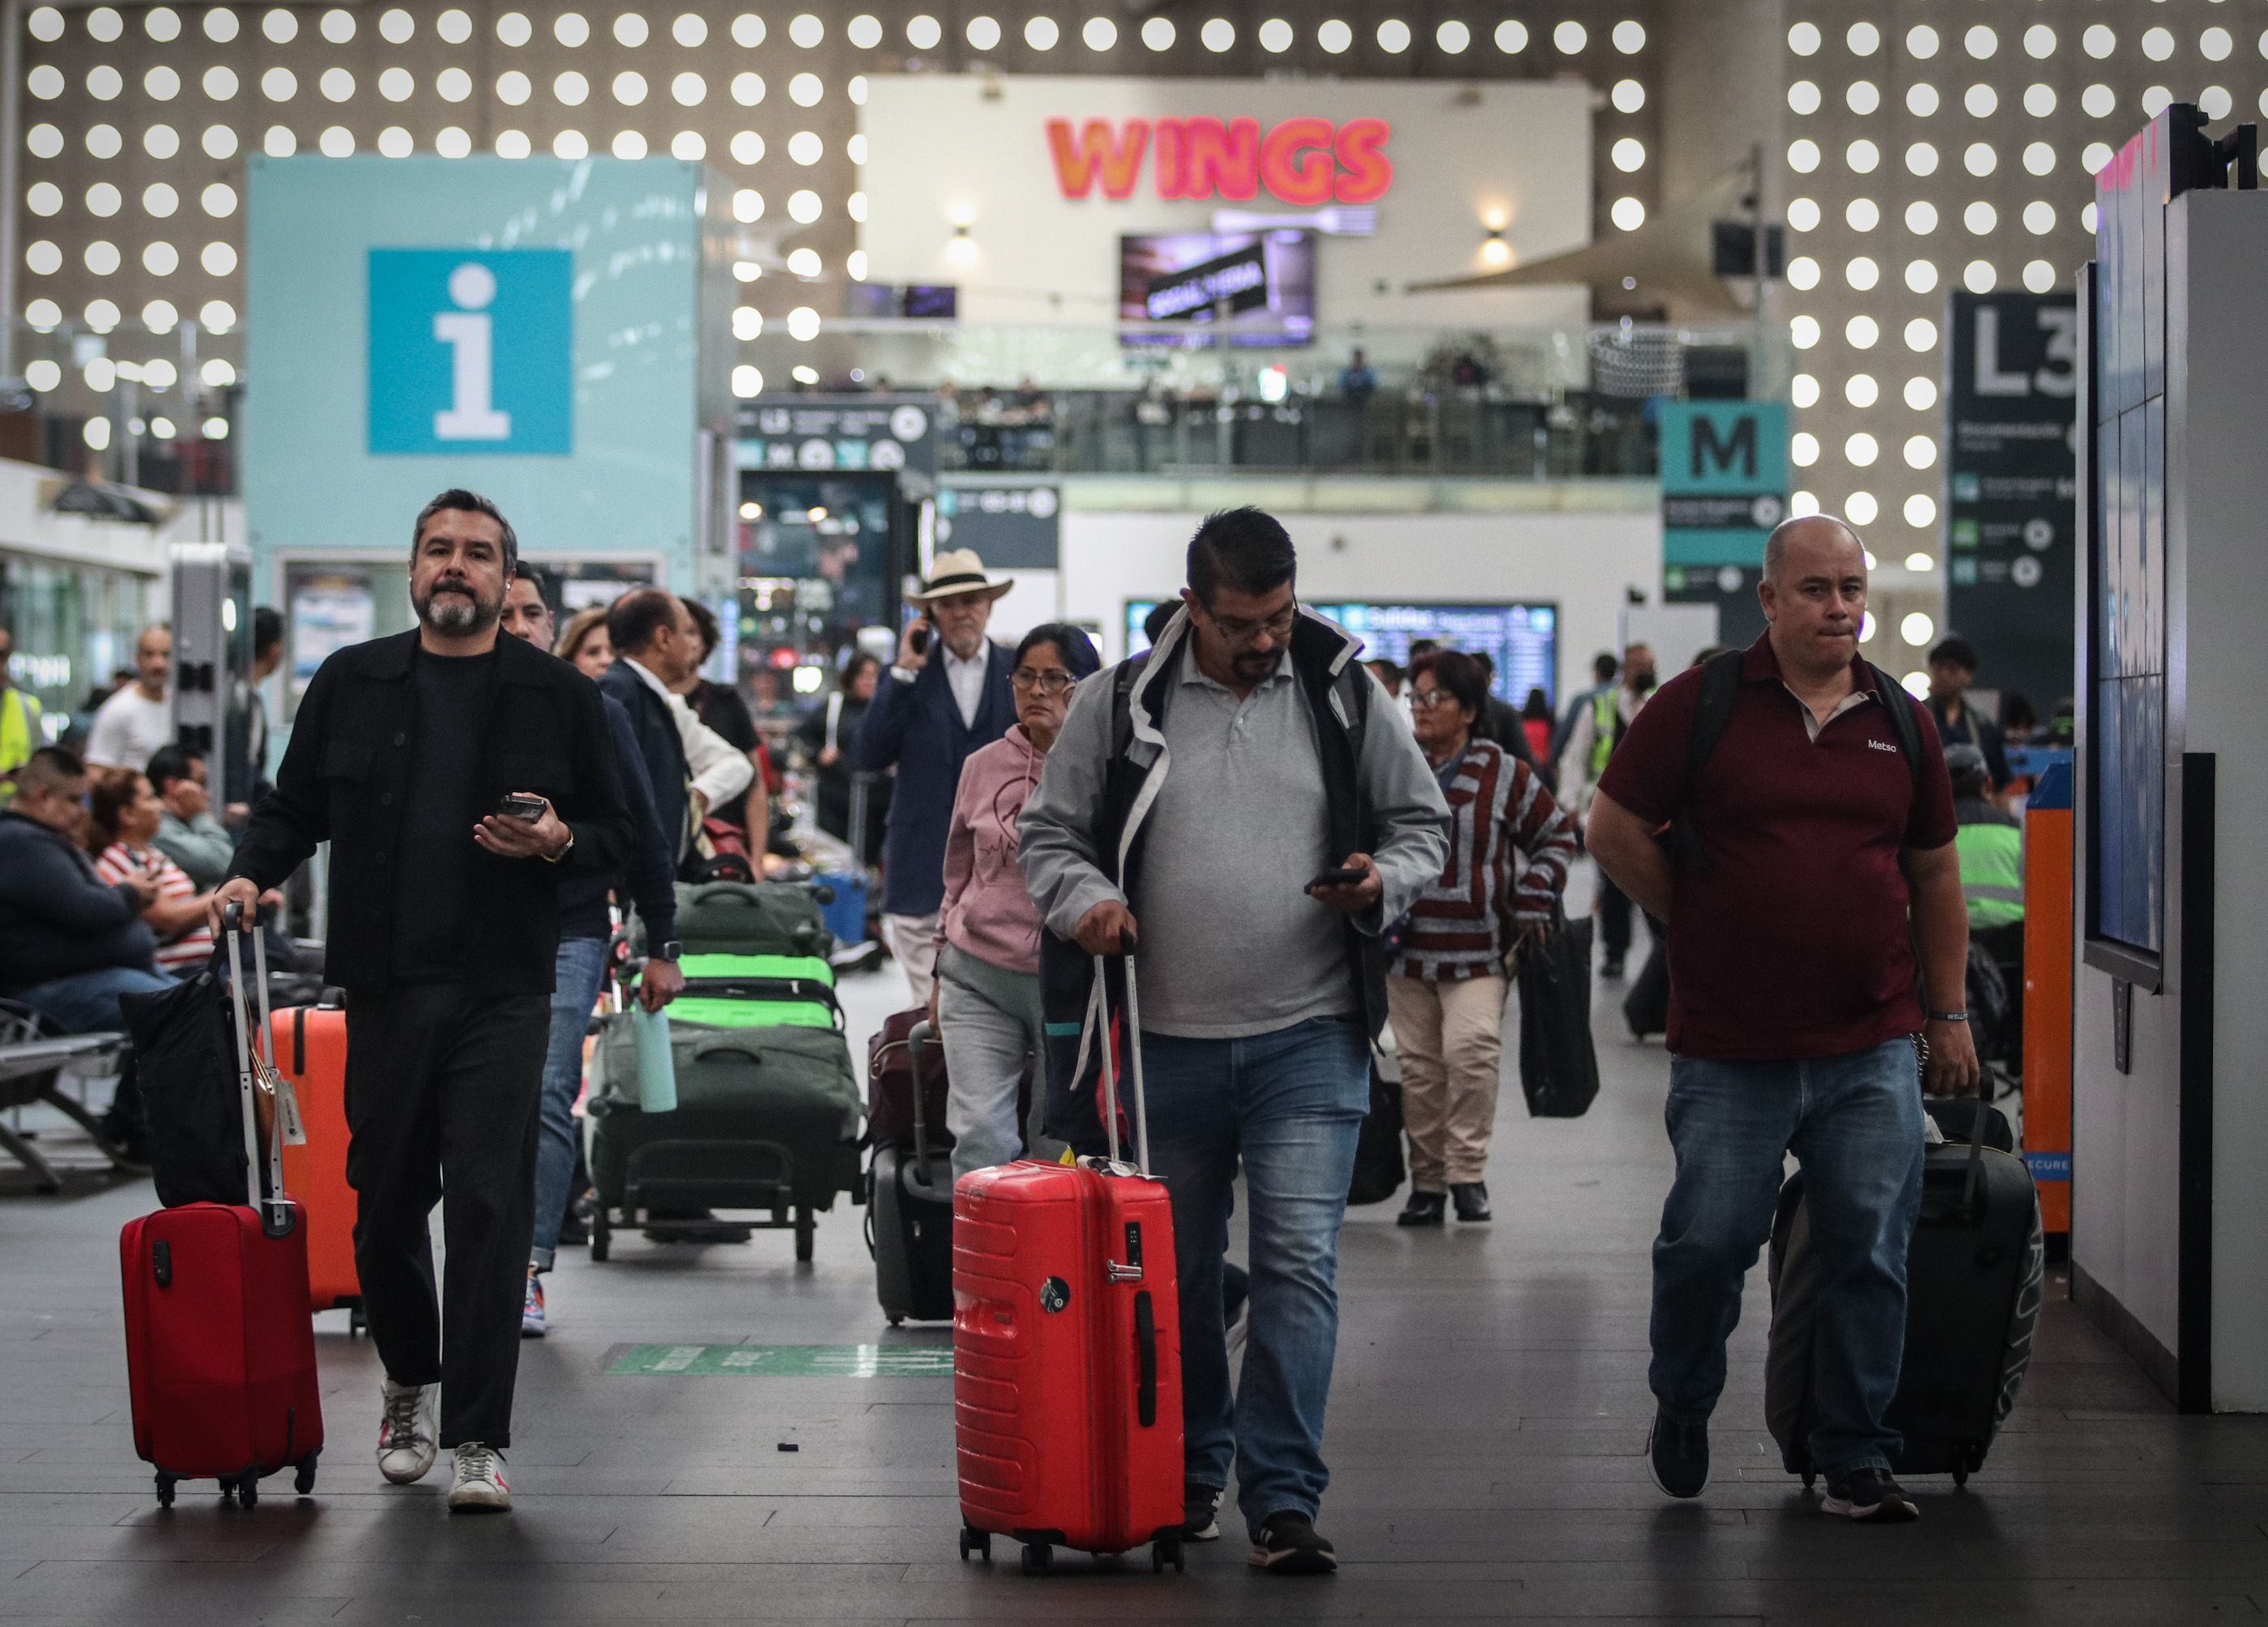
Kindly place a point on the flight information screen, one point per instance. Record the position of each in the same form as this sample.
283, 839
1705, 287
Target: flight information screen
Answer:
1523, 639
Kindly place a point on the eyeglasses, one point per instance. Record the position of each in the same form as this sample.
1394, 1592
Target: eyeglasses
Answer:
1047, 683
1242, 629
1427, 698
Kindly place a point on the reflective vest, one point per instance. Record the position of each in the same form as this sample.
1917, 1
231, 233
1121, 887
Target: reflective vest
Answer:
1991, 873
20, 736
1606, 727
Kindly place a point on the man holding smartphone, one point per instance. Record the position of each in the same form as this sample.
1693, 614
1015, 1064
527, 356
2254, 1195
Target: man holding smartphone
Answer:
458, 777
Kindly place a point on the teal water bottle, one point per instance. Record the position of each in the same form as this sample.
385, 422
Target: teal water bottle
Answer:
656, 1069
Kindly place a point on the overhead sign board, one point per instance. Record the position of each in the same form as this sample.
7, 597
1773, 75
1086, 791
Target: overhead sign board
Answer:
1724, 487
1301, 161
818, 434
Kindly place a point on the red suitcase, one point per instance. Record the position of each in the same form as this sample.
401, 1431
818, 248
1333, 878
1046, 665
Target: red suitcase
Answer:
220, 1350
310, 1043
1066, 1347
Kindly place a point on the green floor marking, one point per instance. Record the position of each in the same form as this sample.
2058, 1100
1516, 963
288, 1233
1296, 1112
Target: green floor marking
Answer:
786, 1361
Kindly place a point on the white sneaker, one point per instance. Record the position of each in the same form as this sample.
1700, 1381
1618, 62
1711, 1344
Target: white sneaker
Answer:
406, 1443
480, 1482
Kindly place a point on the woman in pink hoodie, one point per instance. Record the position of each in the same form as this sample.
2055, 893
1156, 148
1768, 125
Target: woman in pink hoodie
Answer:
986, 1002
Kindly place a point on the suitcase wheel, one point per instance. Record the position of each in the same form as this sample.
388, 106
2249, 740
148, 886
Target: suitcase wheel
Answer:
806, 1228
602, 1236
304, 1482
165, 1491
975, 1541
1167, 1550
247, 1492
1039, 1558
1810, 1479
1960, 1475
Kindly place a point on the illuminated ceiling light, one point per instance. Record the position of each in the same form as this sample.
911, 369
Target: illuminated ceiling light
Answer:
1921, 511
218, 200
161, 200
395, 26
1921, 100
803, 323
1979, 158
804, 147
571, 89
1803, 98
219, 141
43, 257
513, 144
1862, 273
1921, 42
1157, 34
747, 382
2215, 102
1980, 217
1861, 332
1861, 390
2039, 217
1276, 36
103, 199
2158, 44
1803, 332
1861, 450
1803, 273
512, 88
1511, 36
748, 89
161, 141
747, 323
689, 146
160, 259
2039, 277
1803, 215
1629, 155
2099, 101
514, 30
2155, 100
2039, 158
1628, 214
807, 375
629, 88
279, 142
1921, 334
103, 141
46, 24
96, 433
1803, 449
45, 198
338, 26
1042, 34
1918, 629
2094, 158
1802, 504
278, 84
1864, 156
1980, 42
220, 25
45, 141
279, 26
747, 271
162, 428
803, 207
1981, 100
1803, 39
571, 29
1570, 37
804, 263
689, 89
1218, 35
1978, 277
1628, 96
807, 31
1803, 156
628, 145
691, 30
923, 32
1861, 509
1864, 38
337, 142
630, 30
159, 316
451, 143
397, 85
1803, 390
1099, 33
571, 145
1921, 158
102, 316
452, 85
806, 90
854, 265
105, 24
393, 142
217, 374
1393, 36
2039, 100
747, 206
161, 84
1861, 97
2098, 42
1629, 37
748, 148
44, 375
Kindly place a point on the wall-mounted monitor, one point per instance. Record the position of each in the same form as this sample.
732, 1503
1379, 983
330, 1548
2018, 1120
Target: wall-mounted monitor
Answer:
1256, 287
1523, 639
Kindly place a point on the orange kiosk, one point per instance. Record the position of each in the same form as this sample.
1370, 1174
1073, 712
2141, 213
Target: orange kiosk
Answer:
2048, 1000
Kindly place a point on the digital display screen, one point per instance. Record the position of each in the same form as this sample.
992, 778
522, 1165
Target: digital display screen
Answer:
1523, 639
1250, 287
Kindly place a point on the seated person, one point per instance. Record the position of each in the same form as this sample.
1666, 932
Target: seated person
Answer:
188, 833
1991, 843
123, 813
70, 943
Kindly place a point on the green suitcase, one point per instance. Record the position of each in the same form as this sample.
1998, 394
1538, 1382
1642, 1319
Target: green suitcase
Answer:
740, 917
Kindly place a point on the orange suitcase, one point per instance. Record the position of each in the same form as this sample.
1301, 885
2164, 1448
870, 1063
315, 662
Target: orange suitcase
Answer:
311, 1049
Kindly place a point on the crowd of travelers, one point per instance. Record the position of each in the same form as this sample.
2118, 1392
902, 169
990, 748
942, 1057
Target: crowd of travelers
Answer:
1301, 848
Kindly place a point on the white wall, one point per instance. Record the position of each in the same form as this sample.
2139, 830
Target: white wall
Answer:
1584, 561
948, 146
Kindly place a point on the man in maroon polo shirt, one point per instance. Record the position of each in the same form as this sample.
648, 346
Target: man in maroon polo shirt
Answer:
1816, 859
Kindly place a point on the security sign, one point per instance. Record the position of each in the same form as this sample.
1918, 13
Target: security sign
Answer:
472, 352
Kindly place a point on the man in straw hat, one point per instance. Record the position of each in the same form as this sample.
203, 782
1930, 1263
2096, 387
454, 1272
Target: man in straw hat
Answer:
946, 696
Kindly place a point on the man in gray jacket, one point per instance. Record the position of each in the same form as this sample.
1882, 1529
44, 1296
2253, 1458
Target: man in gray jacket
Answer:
1244, 801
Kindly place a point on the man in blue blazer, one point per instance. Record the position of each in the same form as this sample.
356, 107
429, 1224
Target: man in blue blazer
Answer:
946, 696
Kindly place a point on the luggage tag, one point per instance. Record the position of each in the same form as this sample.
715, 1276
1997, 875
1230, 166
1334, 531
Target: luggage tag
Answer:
287, 1107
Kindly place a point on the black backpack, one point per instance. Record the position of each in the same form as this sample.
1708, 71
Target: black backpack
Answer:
184, 1060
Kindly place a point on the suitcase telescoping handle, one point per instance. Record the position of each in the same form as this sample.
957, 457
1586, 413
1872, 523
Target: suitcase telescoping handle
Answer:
1972, 1185
920, 1035
1102, 1005
275, 1213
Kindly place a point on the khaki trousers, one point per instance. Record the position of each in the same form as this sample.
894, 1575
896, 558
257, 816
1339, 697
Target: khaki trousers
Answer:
913, 946
1451, 1038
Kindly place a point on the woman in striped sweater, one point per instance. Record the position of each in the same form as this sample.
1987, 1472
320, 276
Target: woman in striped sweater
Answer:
1445, 988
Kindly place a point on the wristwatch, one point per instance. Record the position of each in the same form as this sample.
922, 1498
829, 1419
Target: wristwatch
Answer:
553, 858
1949, 1016
669, 950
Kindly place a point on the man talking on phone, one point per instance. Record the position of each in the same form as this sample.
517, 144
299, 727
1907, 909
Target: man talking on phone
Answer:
458, 777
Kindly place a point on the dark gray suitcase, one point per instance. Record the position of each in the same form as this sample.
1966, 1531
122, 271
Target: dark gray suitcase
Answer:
1974, 1275
909, 1209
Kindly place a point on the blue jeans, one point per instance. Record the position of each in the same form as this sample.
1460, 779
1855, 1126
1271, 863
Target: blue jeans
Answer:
1855, 1124
87, 1002
581, 966
1291, 1104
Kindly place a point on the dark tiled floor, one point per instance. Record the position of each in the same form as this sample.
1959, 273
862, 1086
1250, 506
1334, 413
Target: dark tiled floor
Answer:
1485, 1431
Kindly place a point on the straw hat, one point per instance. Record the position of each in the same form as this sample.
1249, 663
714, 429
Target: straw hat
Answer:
956, 571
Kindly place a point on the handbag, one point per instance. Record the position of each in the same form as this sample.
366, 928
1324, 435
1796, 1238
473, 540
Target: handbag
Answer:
1558, 1065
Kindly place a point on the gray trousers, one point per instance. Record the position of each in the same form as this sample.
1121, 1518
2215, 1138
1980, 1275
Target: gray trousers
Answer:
992, 1021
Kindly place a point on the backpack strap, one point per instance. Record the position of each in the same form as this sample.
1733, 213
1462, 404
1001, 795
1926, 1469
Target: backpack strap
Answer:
1899, 705
1720, 690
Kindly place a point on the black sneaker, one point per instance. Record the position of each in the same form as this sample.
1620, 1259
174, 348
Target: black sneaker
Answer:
1200, 1511
1868, 1494
1471, 1199
1425, 1209
1679, 1454
1288, 1544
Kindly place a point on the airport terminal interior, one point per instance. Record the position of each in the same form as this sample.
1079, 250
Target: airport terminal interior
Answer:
797, 349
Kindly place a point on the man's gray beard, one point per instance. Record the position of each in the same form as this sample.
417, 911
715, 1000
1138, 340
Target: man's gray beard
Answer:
455, 615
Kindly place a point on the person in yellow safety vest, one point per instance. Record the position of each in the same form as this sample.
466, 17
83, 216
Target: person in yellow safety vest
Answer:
1581, 761
1991, 843
20, 731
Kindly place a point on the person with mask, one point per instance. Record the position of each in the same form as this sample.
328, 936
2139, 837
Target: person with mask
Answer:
1598, 728
459, 777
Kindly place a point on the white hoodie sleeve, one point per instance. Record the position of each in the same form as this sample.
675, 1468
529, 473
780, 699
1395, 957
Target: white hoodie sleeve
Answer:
720, 770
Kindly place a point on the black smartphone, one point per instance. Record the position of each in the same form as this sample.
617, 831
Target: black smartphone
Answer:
520, 804
921, 636
1347, 876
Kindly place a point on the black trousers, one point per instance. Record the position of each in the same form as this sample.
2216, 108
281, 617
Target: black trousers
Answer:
1614, 918
443, 1088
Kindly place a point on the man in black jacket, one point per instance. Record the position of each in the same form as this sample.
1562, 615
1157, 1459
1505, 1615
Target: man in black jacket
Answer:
445, 929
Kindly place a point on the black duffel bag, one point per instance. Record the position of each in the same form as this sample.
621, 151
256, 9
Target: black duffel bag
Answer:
185, 1063
1379, 1170
1558, 1066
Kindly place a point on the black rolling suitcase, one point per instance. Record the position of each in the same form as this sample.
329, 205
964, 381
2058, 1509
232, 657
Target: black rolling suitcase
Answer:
909, 1184
1974, 1275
